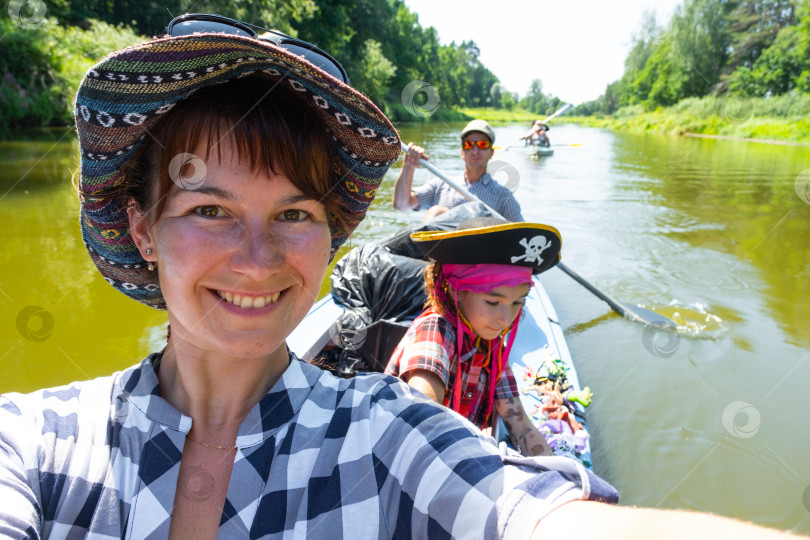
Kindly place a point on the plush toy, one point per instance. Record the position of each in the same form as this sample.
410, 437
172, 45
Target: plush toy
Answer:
554, 407
561, 439
555, 412
583, 397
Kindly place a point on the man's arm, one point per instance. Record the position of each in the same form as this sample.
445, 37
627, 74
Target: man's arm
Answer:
404, 197
510, 209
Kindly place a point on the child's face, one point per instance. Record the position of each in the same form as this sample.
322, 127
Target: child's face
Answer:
492, 312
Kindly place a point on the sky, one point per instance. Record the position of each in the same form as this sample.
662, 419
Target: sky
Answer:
575, 47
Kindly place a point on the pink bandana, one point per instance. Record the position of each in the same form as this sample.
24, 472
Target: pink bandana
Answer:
485, 277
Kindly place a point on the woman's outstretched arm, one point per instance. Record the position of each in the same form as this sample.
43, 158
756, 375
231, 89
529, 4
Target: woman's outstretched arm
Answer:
591, 519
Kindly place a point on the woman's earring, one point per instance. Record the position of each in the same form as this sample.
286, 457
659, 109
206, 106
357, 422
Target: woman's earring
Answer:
150, 265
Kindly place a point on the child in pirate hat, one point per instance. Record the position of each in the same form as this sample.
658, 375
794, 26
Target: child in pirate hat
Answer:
456, 352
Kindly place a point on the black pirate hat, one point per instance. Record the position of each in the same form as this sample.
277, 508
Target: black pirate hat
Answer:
490, 240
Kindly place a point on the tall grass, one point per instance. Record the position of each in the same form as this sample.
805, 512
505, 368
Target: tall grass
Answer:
500, 115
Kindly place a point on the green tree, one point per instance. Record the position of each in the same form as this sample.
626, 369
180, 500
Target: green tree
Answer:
782, 67
41, 67
609, 101
538, 102
700, 45
627, 90
661, 82
686, 60
149, 17
375, 72
753, 26
535, 99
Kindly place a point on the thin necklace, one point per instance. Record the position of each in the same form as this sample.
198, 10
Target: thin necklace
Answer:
205, 444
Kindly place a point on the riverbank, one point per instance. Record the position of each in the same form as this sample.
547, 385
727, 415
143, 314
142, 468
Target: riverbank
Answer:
746, 139
398, 113
499, 116
778, 120
782, 119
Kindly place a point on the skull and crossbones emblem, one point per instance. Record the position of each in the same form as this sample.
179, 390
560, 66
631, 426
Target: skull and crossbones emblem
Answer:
534, 248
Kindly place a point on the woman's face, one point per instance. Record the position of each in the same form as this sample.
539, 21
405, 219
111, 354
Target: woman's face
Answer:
241, 256
492, 312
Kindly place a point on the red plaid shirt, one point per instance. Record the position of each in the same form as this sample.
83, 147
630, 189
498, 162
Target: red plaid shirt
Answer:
430, 344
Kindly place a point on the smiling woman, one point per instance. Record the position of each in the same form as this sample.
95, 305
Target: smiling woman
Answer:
220, 174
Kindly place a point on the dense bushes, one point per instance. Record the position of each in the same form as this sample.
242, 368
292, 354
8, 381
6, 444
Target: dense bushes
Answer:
42, 65
379, 42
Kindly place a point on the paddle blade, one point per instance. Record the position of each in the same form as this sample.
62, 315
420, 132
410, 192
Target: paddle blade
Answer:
640, 314
558, 112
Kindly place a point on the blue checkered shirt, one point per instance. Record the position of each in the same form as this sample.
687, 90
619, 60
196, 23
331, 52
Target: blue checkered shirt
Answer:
498, 197
318, 457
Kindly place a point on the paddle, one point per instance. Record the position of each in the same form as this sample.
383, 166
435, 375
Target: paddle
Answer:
628, 311
558, 112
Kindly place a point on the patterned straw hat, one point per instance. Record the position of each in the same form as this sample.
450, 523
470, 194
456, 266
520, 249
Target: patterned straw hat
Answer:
125, 94
490, 240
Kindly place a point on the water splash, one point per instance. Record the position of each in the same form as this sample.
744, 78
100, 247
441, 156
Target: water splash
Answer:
693, 320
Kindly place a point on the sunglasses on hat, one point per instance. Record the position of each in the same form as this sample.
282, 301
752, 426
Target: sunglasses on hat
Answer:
483, 145
188, 24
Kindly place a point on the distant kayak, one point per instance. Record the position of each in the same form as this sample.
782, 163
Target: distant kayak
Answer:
538, 151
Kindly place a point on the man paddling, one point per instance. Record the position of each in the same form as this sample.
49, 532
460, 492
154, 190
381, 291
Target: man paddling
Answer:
477, 139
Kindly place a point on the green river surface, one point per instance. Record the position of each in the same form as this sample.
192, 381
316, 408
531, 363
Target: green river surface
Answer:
713, 233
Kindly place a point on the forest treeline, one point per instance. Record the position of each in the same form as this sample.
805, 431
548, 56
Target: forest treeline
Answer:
743, 48
47, 46
709, 48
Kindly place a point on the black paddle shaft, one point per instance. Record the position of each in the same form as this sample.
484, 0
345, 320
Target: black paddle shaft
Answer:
634, 313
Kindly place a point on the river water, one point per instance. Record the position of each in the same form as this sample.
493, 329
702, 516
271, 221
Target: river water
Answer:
712, 233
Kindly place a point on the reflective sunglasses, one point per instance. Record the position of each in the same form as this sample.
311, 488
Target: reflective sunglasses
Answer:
483, 145
185, 25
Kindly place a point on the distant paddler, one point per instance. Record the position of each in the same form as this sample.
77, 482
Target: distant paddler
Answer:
537, 135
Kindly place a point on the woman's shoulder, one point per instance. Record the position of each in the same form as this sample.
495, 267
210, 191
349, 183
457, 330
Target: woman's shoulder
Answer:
57, 409
325, 381
362, 391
